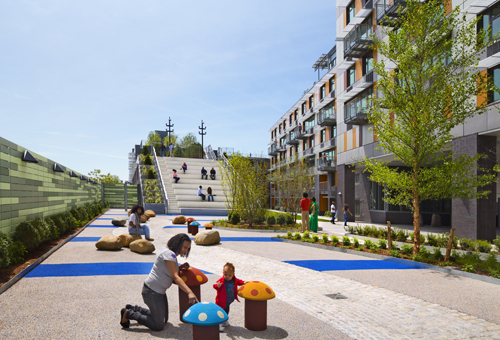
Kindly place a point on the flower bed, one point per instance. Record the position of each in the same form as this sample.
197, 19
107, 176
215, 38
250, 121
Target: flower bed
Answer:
440, 240
256, 226
467, 262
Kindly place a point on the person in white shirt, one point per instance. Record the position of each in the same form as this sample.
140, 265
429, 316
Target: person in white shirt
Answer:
201, 194
333, 211
134, 222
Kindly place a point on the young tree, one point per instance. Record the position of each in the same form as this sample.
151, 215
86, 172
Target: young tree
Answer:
155, 140
173, 139
433, 89
290, 183
96, 175
188, 140
245, 186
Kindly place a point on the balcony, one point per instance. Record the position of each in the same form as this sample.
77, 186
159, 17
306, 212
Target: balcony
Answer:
281, 148
365, 11
387, 11
355, 112
327, 117
292, 125
272, 151
308, 132
291, 139
358, 41
326, 164
329, 144
308, 152
352, 91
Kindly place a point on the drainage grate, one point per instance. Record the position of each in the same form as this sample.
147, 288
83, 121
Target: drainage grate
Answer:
336, 296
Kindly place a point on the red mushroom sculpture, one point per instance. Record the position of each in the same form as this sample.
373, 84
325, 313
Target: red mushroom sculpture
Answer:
193, 278
256, 294
188, 221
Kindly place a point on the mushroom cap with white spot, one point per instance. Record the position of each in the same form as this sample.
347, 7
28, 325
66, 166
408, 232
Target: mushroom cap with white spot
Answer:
205, 314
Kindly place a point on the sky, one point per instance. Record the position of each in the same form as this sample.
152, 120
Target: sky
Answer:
83, 81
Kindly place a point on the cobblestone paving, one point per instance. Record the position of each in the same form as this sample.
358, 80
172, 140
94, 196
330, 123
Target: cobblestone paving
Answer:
368, 312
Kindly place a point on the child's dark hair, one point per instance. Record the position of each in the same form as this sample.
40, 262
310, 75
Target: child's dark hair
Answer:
305, 195
135, 208
230, 265
176, 242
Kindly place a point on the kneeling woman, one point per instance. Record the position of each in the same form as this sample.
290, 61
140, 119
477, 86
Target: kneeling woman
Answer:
165, 271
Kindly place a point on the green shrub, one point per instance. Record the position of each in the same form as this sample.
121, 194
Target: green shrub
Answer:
382, 244
436, 254
355, 242
442, 240
28, 235
374, 248
306, 235
455, 256
455, 242
271, 220
350, 229
432, 240
467, 244
151, 173
297, 236
368, 243
346, 241
407, 249
289, 234
5, 246
106, 204
483, 246
71, 221
60, 223
394, 235
54, 230
315, 238
394, 253
324, 238
148, 160
145, 150
470, 268
401, 235
280, 219
43, 229
235, 218
496, 242
328, 214
383, 232
335, 240
158, 200
289, 220
360, 248
84, 215
17, 252
375, 232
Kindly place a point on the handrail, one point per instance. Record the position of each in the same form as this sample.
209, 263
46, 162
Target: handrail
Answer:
162, 186
140, 183
210, 154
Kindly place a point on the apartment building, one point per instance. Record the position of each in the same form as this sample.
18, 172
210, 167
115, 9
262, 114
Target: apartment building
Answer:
335, 133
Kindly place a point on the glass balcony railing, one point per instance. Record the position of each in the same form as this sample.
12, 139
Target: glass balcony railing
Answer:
291, 138
387, 11
273, 150
358, 41
355, 112
326, 164
327, 117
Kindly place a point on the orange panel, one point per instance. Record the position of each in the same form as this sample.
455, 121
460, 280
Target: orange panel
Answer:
482, 98
335, 105
359, 69
323, 178
375, 138
354, 138
375, 54
447, 7
327, 134
345, 141
323, 203
307, 105
357, 6
272, 203
327, 88
345, 18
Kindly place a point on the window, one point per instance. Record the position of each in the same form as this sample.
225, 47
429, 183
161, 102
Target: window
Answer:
330, 155
290, 119
309, 123
332, 84
322, 92
334, 131
350, 12
322, 136
303, 108
356, 178
332, 63
279, 128
284, 125
295, 115
494, 74
368, 63
296, 149
291, 152
312, 141
490, 19
357, 208
351, 75
305, 145
311, 102
376, 196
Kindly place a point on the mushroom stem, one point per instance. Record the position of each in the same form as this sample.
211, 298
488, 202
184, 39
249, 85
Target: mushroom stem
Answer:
255, 315
189, 227
184, 300
206, 332
194, 230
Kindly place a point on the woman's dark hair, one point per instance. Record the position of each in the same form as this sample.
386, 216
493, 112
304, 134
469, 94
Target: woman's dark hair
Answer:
305, 195
346, 206
313, 199
176, 242
135, 208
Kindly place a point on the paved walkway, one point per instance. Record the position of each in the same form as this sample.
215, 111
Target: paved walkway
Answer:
320, 294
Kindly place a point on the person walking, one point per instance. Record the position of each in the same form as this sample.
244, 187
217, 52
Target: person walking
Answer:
212, 173
175, 176
171, 148
304, 206
163, 150
201, 194
313, 221
134, 223
346, 210
165, 271
209, 194
333, 212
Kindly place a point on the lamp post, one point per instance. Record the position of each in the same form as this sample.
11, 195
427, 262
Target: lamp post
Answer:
202, 133
169, 130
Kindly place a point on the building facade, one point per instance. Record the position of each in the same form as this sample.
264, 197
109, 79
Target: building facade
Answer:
329, 128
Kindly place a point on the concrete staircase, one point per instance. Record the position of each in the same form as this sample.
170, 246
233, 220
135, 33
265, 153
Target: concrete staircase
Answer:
182, 196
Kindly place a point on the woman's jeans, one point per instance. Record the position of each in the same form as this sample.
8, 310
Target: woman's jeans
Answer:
333, 218
156, 316
212, 198
143, 230
345, 219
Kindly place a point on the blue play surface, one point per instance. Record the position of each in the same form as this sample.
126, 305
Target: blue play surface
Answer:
325, 265
85, 239
93, 269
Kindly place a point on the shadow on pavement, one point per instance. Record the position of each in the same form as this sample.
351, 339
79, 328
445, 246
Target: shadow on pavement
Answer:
271, 332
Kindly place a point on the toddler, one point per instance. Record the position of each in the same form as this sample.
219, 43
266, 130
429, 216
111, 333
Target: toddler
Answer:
227, 290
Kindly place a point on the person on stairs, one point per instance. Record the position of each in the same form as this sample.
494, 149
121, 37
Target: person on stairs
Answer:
212, 173
201, 194
209, 194
203, 172
163, 150
184, 167
175, 176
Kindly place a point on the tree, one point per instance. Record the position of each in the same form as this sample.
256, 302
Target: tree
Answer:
101, 178
290, 182
188, 140
177, 151
433, 89
245, 186
155, 140
193, 151
173, 139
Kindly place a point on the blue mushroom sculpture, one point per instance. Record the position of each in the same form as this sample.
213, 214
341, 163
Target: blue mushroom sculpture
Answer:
205, 318
194, 227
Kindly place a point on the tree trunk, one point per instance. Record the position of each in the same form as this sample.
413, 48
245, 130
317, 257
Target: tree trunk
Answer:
416, 225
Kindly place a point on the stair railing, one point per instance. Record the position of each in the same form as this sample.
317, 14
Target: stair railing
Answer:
209, 152
160, 180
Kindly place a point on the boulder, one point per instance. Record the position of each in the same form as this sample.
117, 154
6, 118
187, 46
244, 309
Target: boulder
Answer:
179, 219
109, 242
207, 238
436, 221
144, 218
142, 246
119, 221
127, 239
150, 213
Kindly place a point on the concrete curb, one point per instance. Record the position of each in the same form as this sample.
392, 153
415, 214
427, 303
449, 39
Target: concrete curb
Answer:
259, 231
396, 260
42, 258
